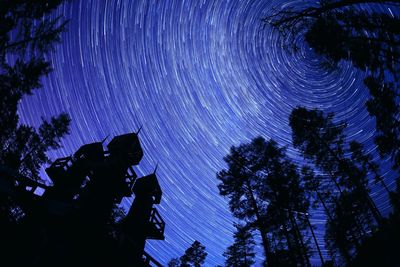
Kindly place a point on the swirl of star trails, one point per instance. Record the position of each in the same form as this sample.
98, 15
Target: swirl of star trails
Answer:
200, 76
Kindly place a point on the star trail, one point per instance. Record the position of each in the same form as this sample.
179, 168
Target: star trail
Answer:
199, 76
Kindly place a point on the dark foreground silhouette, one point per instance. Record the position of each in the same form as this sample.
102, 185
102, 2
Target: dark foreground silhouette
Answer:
76, 221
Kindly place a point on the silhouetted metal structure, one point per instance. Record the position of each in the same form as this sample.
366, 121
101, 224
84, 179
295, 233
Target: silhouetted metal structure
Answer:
74, 213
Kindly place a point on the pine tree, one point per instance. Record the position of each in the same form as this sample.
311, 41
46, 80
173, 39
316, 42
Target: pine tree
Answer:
241, 252
384, 107
366, 164
195, 255
321, 141
27, 33
264, 188
339, 30
240, 184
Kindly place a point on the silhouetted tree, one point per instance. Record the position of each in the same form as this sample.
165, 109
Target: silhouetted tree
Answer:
287, 198
385, 108
263, 187
322, 141
313, 184
395, 200
366, 163
369, 41
243, 187
339, 30
26, 148
27, 32
346, 230
195, 255
380, 248
241, 252
175, 262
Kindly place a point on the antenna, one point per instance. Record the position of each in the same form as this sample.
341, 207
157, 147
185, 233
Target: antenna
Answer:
155, 169
102, 142
140, 128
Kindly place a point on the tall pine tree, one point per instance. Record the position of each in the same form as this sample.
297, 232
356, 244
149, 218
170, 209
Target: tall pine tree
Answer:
27, 33
241, 252
195, 255
264, 188
352, 210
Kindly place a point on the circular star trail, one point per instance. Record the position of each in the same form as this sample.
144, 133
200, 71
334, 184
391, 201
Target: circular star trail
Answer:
200, 76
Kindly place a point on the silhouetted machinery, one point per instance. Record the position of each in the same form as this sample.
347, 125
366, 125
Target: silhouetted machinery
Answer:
87, 186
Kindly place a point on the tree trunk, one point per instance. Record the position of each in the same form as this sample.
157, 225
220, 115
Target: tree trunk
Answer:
353, 237
300, 238
289, 243
324, 205
259, 221
315, 240
371, 204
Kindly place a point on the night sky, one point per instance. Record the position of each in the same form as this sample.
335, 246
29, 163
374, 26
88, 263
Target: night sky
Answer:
200, 76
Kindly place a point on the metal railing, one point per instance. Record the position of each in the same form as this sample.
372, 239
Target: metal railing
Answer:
149, 260
156, 219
